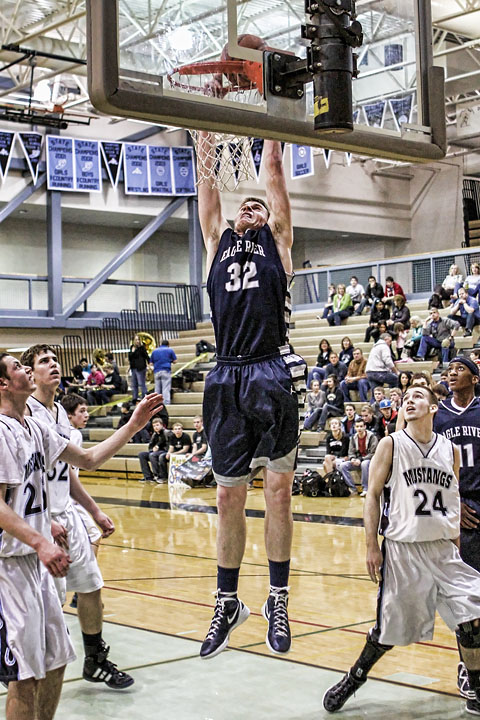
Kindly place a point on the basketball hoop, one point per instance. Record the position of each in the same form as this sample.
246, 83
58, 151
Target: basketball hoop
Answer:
226, 157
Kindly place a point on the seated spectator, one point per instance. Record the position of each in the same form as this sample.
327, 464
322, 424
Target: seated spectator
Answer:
389, 418
315, 401
77, 383
342, 306
86, 368
466, 312
441, 392
346, 353
437, 333
199, 438
349, 419
391, 289
373, 293
110, 358
475, 356
149, 459
371, 422
328, 309
179, 443
411, 346
360, 451
318, 372
377, 396
356, 292
112, 385
142, 436
400, 313
378, 314
337, 446
396, 398
404, 380
400, 338
335, 367
95, 380
447, 288
162, 413
380, 368
356, 378
471, 283
334, 406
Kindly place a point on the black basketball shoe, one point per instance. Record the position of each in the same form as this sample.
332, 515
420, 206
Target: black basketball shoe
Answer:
336, 696
473, 705
230, 612
275, 613
96, 668
463, 684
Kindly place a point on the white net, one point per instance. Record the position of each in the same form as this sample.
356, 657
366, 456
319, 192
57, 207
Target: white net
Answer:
224, 160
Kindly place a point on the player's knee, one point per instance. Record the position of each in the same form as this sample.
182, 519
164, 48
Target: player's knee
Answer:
230, 499
468, 634
278, 496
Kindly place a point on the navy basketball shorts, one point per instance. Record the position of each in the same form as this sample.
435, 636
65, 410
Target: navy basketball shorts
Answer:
470, 539
250, 412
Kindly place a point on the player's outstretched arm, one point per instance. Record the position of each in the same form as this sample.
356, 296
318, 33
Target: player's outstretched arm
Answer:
92, 458
278, 201
83, 498
52, 556
377, 477
212, 221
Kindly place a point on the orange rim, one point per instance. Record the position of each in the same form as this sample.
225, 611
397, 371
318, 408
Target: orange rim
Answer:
250, 74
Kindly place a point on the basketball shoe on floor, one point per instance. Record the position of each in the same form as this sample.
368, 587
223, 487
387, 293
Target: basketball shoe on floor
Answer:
275, 613
96, 668
336, 696
463, 684
230, 612
473, 705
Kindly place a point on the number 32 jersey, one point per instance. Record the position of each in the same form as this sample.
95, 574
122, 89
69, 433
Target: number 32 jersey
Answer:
421, 499
248, 289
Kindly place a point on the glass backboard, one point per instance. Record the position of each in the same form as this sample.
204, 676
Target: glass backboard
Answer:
138, 51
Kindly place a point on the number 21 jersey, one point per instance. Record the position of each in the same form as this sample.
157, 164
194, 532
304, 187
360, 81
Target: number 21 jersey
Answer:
421, 499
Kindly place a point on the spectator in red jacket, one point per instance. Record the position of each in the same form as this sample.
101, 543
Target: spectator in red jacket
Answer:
391, 289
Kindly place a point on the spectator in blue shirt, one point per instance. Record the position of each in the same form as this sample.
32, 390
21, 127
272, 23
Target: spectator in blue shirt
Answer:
469, 315
162, 359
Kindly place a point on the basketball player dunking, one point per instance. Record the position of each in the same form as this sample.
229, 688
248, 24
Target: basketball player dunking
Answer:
458, 418
419, 565
250, 404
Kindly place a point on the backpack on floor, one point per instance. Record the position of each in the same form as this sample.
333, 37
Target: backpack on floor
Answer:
336, 485
296, 486
313, 485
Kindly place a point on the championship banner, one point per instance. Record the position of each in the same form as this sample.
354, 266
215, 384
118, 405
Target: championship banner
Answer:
160, 165
60, 167
236, 157
402, 110
327, 156
87, 166
393, 55
356, 117
375, 114
112, 157
348, 158
302, 161
7, 141
136, 170
257, 152
183, 171
31, 143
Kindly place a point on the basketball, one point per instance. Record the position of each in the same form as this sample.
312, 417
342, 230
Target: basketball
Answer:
249, 41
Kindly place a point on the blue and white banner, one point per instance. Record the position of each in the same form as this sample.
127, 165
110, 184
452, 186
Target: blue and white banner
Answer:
160, 164
7, 141
302, 161
60, 165
31, 143
235, 150
402, 110
112, 153
257, 152
327, 156
183, 171
375, 114
87, 166
136, 170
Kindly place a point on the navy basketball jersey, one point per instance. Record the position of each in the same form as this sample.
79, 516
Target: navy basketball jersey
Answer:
249, 299
462, 427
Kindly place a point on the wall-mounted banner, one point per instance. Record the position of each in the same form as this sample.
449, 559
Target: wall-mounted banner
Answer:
183, 171
60, 166
402, 110
87, 166
356, 117
7, 141
235, 150
327, 156
393, 55
302, 161
112, 153
160, 164
136, 170
257, 152
348, 158
375, 113
31, 143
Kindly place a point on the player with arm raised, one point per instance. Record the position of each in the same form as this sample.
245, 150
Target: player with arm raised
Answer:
250, 404
415, 473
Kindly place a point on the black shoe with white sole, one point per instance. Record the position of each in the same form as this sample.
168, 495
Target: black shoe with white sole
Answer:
275, 613
230, 612
96, 668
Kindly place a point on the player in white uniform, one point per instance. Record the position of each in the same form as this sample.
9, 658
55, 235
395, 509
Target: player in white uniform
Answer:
419, 565
84, 576
34, 642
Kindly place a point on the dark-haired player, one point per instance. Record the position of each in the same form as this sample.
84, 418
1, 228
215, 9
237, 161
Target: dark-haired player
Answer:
419, 566
250, 404
458, 418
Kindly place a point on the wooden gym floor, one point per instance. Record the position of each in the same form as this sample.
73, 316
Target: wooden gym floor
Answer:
160, 570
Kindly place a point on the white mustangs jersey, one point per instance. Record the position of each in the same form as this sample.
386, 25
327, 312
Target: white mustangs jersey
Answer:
26, 452
421, 500
59, 480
